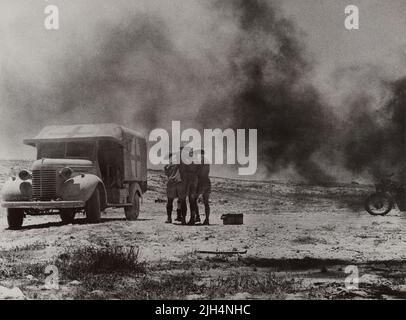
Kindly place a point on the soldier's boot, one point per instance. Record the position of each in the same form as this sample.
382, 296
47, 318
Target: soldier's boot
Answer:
197, 218
206, 222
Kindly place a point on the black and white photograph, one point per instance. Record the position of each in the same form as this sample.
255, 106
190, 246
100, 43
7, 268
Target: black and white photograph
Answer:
202, 150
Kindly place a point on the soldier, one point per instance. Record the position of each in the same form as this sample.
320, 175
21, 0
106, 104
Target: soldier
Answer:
204, 187
174, 189
188, 172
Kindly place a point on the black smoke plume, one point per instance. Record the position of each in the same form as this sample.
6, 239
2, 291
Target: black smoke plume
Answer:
376, 138
269, 65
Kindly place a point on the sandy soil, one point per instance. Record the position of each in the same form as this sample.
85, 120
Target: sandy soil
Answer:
309, 233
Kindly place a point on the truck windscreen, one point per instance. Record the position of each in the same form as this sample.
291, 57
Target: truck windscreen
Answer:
80, 150
68, 150
53, 150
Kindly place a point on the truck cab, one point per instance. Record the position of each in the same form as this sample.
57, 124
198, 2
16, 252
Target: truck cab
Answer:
80, 168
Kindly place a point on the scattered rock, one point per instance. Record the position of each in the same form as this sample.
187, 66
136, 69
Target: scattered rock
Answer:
209, 237
11, 294
99, 293
372, 279
242, 296
31, 278
194, 297
402, 288
360, 293
295, 296
75, 283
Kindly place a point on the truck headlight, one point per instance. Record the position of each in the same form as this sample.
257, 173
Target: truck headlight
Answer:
24, 175
66, 172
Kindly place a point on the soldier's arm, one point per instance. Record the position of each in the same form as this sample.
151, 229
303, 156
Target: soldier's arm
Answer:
167, 170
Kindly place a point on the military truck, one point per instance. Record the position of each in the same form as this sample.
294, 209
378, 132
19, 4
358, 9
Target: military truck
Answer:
80, 168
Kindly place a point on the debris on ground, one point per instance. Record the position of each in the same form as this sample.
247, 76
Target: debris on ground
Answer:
221, 252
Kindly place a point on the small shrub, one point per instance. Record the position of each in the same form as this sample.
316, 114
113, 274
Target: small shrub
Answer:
269, 285
80, 262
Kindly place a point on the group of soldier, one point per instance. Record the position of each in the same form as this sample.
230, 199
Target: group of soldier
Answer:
188, 181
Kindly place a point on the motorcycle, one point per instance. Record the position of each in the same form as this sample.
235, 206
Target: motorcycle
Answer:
388, 193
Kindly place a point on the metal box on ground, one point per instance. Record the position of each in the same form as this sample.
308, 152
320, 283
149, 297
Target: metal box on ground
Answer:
232, 218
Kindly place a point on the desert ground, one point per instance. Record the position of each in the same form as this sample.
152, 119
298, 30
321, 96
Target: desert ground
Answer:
296, 242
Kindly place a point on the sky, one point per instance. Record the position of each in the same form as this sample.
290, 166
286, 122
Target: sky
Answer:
37, 58
379, 41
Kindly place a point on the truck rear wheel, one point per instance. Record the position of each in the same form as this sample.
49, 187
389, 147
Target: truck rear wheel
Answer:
132, 213
67, 215
92, 207
15, 218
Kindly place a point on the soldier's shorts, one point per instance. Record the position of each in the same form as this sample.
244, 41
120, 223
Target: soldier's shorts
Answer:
175, 191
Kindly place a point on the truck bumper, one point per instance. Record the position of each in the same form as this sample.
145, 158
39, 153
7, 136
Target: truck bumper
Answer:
43, 204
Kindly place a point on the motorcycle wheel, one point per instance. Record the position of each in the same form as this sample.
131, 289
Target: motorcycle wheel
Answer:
379, 204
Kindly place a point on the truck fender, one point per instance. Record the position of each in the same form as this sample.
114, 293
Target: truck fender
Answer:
16, 189
81, 187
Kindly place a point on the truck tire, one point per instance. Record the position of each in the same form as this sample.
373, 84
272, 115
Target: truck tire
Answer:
379, 204
132, 213
67, 215
15, 218
92, 207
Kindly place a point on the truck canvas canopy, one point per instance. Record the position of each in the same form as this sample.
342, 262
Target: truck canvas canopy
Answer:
109, 131
132, 142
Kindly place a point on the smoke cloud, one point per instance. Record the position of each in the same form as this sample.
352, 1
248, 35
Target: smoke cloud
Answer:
238, 64
271, 91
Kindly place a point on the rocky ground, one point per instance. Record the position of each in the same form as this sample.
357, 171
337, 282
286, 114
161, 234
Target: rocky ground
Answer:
296, 243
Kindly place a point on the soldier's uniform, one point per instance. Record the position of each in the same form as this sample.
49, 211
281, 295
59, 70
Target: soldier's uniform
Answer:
174, 188
204, 189
204, 183
188, 174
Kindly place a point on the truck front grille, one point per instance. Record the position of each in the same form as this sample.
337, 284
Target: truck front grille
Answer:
44, 184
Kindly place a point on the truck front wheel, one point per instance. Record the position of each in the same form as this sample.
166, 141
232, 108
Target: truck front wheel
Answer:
92, 207
132, 213
15, 218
